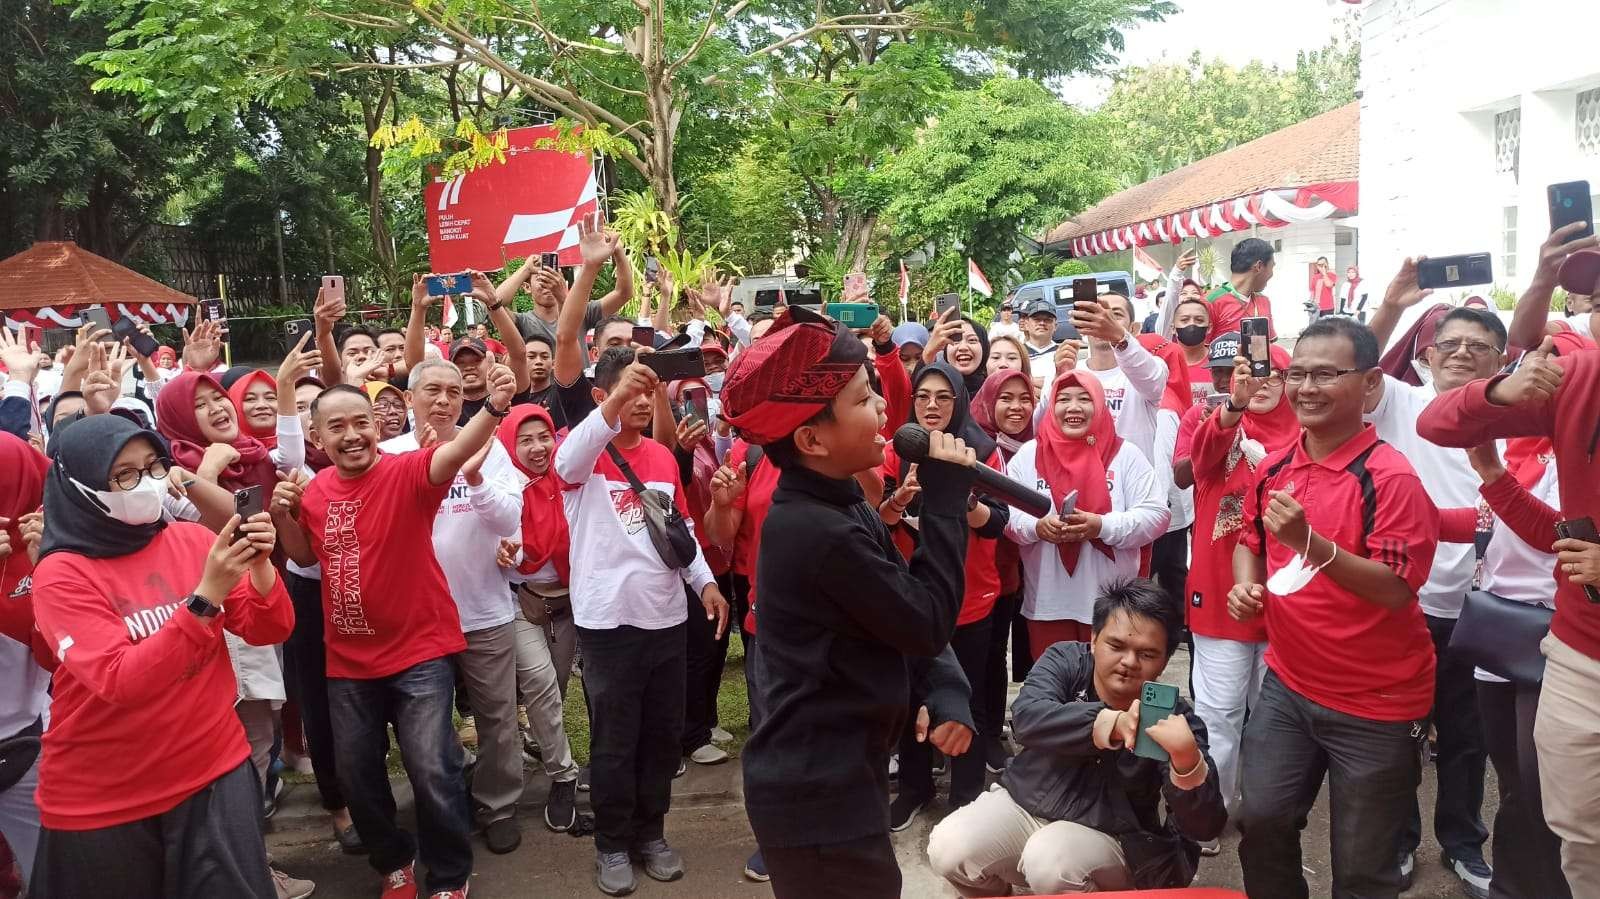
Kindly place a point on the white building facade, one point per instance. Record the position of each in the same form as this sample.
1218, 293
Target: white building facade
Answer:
1469, 110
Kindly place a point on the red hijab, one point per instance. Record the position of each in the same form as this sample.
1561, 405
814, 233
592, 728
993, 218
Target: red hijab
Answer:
545, 537
1069, 463
983, 410
176, 421
22, 472
269, 437
1177, 395
1280, 427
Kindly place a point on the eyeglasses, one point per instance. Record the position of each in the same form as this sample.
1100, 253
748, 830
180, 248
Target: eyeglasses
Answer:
1475, 347
923, 398
130, 478
1274, 379
1322, 377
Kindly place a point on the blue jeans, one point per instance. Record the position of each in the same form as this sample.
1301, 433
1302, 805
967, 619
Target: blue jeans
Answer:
417, 701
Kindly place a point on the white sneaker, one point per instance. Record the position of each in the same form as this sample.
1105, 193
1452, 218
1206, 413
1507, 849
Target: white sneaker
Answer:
718, 735
708, 755
290, 887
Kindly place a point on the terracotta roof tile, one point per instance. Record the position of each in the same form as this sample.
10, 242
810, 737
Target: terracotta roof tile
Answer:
1320, 149
61, 273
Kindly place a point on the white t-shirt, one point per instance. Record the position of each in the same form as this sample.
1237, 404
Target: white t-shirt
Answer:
1138, 516
1514, 570
1004, 329
618, 578
1133, 391
467, 532
1042, 364
1449, 479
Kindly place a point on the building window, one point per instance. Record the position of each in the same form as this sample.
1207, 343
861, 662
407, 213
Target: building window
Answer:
1508, 242
1507, 141
1588, 122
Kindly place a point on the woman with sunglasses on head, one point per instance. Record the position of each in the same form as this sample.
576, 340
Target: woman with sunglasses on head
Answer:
146, 787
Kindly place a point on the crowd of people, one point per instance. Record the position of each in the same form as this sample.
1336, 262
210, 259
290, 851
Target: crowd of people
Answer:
213, 572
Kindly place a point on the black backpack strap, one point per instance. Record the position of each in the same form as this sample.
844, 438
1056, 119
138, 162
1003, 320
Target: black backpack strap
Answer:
1261, 497
627, 470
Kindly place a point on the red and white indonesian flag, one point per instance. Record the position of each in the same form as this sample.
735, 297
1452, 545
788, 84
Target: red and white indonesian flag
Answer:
1146, 268
905, 285
976, 281
449, 313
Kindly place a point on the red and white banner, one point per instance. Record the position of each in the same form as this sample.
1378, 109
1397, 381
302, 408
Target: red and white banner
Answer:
1144, 266
529, 204
976, 281
1266, 209
72, 316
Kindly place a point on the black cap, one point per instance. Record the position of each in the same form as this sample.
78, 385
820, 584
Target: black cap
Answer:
468, 343
1224, 350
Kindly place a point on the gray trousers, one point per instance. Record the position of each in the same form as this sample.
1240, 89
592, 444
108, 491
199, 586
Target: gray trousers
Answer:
536, 682
488, 669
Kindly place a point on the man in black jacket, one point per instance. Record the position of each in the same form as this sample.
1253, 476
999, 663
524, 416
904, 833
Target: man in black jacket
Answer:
839, 613
1076, 810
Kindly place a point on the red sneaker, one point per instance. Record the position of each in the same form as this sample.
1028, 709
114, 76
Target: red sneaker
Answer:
400, 884
451, 894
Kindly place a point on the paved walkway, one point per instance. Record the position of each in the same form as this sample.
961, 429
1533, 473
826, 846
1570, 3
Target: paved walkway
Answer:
708, 826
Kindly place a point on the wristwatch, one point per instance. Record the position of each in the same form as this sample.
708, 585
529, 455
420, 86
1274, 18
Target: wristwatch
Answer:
497, 413
1122, 344
1235, 409
202, 607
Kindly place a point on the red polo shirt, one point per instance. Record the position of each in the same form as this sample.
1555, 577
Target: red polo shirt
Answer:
1228, 308
1325, 642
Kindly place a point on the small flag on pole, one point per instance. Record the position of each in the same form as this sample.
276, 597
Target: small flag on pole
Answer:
905, 285
782, 299
449, 312
1144, 266
976, 281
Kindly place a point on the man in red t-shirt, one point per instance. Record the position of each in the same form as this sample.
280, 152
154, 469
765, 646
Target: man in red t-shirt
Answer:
1250, 268
391, 627
1339, 535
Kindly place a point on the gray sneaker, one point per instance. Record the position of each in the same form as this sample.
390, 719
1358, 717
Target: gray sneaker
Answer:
613, 873
661, 861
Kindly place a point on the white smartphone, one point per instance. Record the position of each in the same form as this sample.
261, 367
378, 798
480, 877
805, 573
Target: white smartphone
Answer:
1069, 504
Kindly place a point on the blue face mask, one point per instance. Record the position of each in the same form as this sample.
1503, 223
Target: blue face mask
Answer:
714, 381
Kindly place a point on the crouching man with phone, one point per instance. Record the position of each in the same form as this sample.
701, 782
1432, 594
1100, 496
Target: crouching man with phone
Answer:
1079, 808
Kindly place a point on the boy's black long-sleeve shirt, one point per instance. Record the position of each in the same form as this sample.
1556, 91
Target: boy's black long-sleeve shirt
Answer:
840, 612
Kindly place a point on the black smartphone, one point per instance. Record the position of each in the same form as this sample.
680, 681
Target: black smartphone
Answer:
1580, 529
943, 303
1085, 290
294, 329
1253, 337
142, 343
100, 318
1455, 271
676, 365
247, 502
550, 260
211, 310
1569, 202
644, 335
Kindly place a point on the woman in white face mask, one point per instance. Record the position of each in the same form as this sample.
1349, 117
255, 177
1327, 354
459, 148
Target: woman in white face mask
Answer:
146, 787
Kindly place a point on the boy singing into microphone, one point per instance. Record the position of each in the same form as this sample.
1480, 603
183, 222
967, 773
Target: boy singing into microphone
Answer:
840, 613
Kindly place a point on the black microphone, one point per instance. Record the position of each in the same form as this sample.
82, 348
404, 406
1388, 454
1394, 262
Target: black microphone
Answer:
911, 444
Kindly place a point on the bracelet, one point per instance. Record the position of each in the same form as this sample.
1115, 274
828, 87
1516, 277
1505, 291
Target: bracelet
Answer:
497, 413
1191, 771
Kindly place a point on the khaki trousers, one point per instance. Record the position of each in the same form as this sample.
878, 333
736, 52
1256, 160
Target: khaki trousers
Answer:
991, 845
1567, 734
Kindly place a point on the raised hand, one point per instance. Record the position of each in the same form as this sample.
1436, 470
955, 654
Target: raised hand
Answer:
358, 372
288, 492
21, 360
596, 243
1187, 260
472, 469
1094, 320
550, 282
690, 432
907, 490
420, 298
1286, 519
298, 362
1555, 251
729, 483
482, 287
1245, 384
502, 386
202, 345
225, 563
1066, 355
945, 331
1403, 292
882, 330
1535, 381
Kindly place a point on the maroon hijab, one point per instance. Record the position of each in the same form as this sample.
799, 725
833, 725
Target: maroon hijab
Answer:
176, 420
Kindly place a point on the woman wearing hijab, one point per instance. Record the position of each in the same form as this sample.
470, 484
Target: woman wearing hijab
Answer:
964, 344
202, 426
939, 403
1228, 445
389, 405
1004, 410
255, 396
23, 682
146, 787
1107, 507
546, 637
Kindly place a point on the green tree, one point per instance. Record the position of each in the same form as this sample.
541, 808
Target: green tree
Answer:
1005, 159
1166, 116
